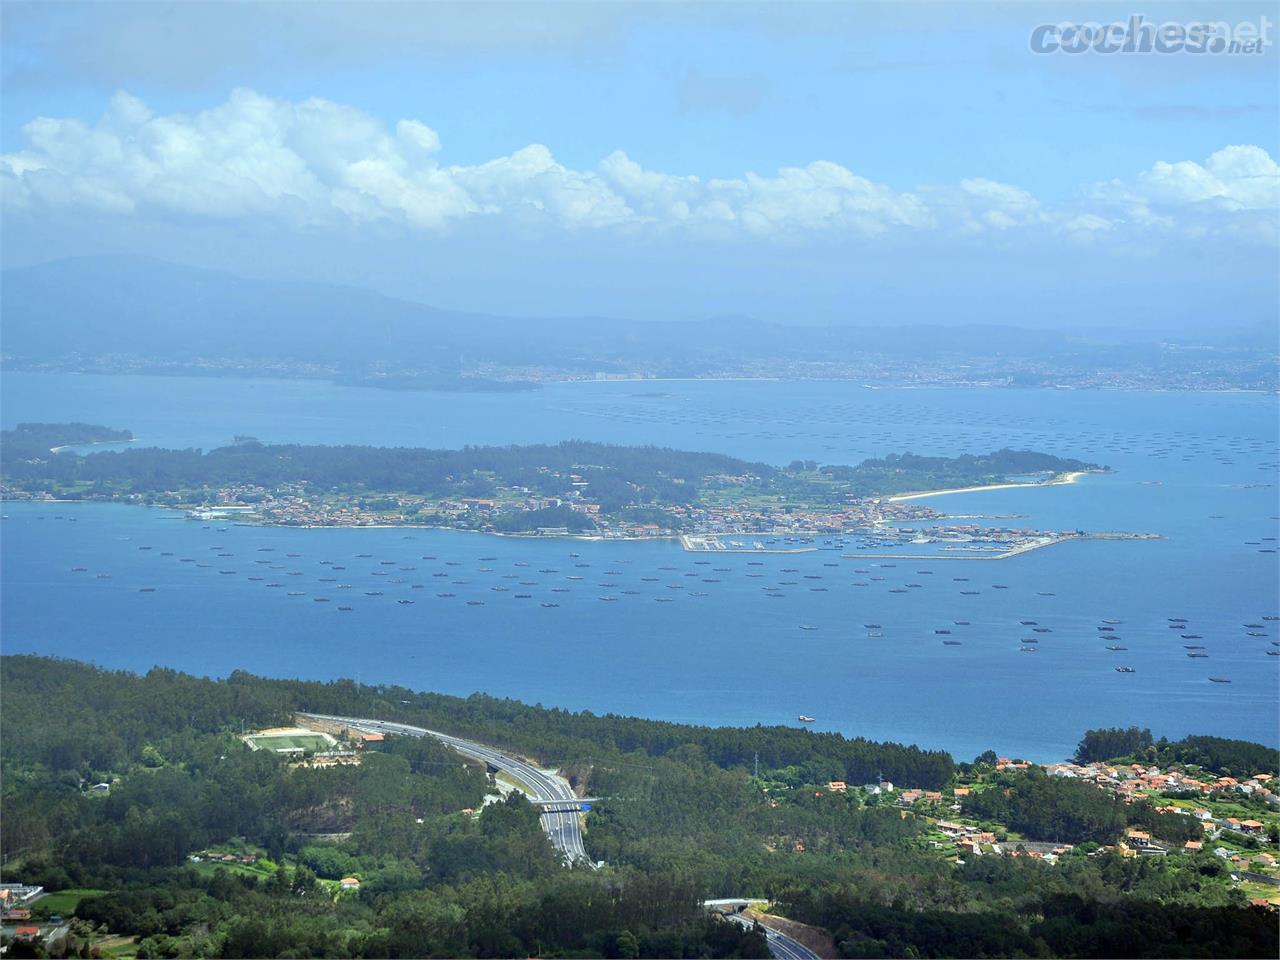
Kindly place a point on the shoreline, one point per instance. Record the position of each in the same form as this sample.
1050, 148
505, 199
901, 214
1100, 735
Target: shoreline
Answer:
861, 382
1057, 480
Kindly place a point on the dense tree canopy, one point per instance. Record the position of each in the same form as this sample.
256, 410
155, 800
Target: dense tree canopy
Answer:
681, 819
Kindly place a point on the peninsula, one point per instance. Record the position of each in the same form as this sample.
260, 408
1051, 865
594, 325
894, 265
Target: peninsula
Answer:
574, 488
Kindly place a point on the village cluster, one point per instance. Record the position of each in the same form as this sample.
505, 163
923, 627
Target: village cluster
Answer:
1222, 832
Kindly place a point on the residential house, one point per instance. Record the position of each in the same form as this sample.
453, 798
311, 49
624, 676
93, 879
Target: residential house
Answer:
1137, 838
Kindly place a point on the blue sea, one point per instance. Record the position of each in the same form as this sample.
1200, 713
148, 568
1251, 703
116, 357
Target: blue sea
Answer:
714, 639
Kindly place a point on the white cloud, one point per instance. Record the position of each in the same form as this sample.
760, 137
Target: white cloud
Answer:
1235, 192
319, 162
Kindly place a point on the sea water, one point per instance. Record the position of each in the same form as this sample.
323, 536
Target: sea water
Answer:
717, 639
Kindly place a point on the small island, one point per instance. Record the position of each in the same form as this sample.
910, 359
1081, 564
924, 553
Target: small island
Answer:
575, 488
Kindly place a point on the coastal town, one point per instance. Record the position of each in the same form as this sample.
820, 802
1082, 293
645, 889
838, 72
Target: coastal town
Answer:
870, 522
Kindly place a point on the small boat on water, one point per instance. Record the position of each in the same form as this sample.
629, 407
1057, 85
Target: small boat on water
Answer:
146, 589
1113, 647
326, 600
951, 643
807, 626
345, 609
1219, 680
803, 719
446, 595
551, 604
874, 635
79, 569
475, 603
405, 602
1125, 670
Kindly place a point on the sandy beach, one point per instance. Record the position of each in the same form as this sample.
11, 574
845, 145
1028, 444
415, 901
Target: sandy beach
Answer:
1061, 478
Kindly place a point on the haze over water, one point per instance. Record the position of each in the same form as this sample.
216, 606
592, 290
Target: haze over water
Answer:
1197, 468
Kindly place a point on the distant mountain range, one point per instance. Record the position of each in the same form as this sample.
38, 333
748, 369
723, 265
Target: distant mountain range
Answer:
139, 307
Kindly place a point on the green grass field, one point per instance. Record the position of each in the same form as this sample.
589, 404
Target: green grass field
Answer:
63, 902
310, 742
242, 869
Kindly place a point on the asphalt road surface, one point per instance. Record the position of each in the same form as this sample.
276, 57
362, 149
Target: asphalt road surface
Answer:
563, 828
780, 945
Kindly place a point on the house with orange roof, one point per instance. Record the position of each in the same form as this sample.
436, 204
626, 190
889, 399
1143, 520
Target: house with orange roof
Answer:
1137, 837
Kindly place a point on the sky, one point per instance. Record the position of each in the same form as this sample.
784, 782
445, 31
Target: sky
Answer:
806, 163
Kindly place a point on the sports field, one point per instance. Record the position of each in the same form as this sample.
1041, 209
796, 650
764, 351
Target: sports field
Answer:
289, 741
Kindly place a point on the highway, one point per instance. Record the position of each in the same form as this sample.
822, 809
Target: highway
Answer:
563, 828
780, 945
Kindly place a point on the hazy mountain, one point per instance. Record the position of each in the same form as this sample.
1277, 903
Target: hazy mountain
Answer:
151, 308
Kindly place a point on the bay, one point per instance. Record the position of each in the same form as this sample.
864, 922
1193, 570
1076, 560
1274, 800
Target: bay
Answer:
1199, 469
